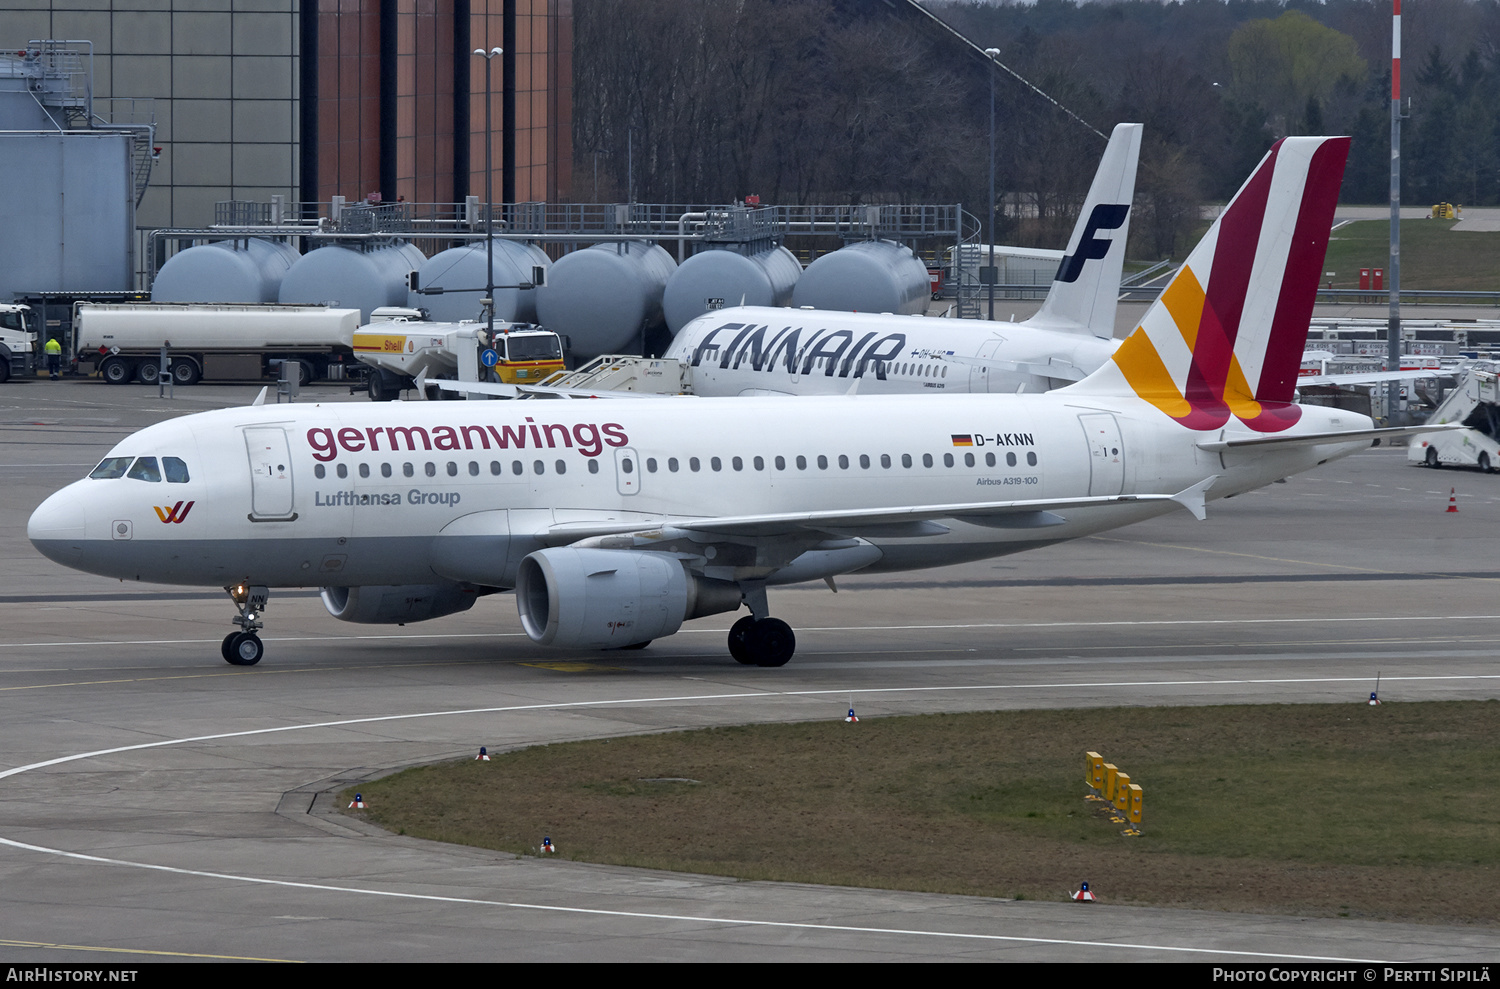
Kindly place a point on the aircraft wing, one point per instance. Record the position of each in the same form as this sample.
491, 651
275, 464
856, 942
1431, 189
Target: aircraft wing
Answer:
917, 520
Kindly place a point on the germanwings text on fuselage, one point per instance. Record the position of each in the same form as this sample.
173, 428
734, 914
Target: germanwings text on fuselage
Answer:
587, 438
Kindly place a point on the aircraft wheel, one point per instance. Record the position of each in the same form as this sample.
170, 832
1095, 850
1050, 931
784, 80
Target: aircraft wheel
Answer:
243, 649
116, 370
226, 648
771, 642
1484, 463
738, 633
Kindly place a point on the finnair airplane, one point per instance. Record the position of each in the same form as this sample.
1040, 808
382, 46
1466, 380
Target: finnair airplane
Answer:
758, 350
615, 522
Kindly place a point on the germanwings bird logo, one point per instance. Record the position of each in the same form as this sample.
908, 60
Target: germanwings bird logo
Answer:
1227, 335
177, 513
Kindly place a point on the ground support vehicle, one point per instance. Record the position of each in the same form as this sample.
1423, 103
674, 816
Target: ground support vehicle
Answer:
1475, 403
18, 342
401, 344
213, 341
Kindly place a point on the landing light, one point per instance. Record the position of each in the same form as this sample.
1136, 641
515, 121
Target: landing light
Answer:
239, 593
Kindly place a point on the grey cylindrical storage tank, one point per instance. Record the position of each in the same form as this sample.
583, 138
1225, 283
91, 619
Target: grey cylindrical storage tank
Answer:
462, 268
226, 271
352, 278
876, 276
602, 297
714, 279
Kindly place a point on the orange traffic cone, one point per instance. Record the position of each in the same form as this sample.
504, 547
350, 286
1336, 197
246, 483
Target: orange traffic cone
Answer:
1452, 499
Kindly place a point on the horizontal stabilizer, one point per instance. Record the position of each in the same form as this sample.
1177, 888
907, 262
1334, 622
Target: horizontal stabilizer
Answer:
1316, 439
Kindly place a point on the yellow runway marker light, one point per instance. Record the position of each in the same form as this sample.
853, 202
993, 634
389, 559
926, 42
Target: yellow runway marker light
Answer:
1110, 772
1094, 774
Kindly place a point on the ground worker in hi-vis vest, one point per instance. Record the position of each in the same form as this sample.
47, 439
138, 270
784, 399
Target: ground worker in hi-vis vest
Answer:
54, 357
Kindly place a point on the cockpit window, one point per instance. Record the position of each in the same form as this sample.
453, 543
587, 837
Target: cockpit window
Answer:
110, 467
145, 469
176, 470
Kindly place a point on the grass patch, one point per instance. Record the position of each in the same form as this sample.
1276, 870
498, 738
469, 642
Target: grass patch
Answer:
1432, 255
1324, 809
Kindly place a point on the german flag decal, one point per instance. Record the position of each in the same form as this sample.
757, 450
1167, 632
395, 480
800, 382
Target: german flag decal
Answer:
963, 439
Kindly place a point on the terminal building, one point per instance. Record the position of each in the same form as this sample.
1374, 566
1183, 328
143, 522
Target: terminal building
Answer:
255, 99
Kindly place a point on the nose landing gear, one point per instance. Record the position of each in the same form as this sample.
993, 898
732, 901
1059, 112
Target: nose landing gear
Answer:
243, 648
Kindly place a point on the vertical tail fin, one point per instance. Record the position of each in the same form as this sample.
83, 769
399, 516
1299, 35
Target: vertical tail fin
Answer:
1087, 284
1227, 335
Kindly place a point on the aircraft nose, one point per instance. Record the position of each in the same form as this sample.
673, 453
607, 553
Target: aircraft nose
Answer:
58, 526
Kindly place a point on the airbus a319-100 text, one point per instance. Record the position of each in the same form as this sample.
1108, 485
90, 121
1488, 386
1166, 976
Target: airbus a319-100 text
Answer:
615, 522
763, 351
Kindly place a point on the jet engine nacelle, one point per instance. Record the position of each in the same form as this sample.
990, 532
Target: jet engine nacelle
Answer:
377, 605
606, 598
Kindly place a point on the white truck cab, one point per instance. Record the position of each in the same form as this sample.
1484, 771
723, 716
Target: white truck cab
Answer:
18, 341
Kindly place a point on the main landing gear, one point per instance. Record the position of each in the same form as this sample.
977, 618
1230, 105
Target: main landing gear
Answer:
758, 639
243, 648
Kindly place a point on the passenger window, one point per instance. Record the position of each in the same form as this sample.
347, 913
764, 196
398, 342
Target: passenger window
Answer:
843, 462
176, 470
926, 460
737, 463
672, 464
473, 468
342, 470
452, 469
968, 460
364, 470
651, 465
989, 460
822, 462
1031, 458
715, 463
1010, 460
947, 460
407, 470
594, 466
627, 465
541, 468
385, 470
885, 461
495, 468
801, 462
905, 460
864, 461
516, 468
781, 463
693, 464
431, 469
760, 463
562, 468
319, 471
113, 467
145, 469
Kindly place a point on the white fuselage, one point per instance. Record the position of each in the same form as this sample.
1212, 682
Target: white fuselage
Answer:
353, 494
754, 350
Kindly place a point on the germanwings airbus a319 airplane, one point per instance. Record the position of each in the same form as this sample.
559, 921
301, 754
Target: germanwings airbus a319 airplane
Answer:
614, 522
757, 350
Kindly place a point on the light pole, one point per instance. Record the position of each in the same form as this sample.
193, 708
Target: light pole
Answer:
489, 199
993, 53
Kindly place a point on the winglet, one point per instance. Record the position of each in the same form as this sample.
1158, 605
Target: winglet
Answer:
261, 398
1193, 498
